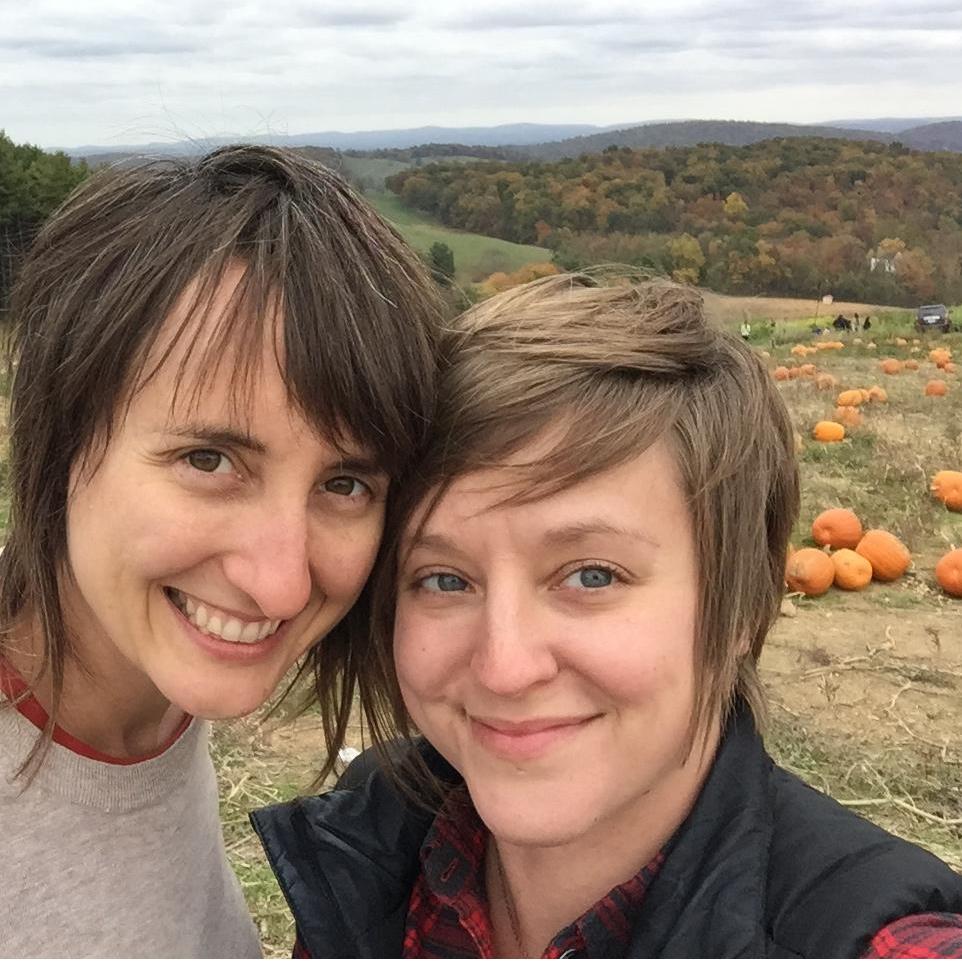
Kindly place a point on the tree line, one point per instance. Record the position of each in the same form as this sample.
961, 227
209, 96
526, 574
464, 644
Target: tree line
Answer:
797, 217
33, 183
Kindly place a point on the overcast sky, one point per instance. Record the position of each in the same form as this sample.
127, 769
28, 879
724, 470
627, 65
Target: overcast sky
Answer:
117, 72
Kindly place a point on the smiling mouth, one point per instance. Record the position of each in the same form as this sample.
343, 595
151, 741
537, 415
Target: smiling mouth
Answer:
218, 624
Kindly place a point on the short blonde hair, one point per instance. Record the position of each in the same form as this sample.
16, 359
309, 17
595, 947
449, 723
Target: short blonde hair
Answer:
618, 367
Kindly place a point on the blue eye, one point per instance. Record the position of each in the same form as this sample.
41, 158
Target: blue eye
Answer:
591, 576
443, 581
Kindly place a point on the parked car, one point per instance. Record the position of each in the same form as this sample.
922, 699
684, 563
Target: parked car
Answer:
933, 317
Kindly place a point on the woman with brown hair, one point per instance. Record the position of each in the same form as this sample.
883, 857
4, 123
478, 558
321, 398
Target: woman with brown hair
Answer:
222, 368
571, 614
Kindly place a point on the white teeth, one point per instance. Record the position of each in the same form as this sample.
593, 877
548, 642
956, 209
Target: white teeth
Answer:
220, 625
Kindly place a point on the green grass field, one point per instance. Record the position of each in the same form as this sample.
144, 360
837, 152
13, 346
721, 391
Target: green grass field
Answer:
371, 172
475, 256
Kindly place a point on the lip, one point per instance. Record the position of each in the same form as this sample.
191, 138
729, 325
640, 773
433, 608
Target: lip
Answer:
229, 651
527, 739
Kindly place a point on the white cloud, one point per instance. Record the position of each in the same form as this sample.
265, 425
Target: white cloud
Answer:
112, 72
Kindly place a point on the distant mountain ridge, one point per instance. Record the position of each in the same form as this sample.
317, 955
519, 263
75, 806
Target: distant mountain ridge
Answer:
556, 141
690, 133
498, 136
887, 125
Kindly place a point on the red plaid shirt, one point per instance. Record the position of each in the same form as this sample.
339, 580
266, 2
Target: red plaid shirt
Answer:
448, 911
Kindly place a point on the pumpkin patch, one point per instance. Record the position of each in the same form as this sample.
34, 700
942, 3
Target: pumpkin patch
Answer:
947, 487
809, 571
828, 432
837, 528
887, 555
948, 573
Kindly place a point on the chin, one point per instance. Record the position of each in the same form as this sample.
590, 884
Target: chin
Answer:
219, 703
532, 818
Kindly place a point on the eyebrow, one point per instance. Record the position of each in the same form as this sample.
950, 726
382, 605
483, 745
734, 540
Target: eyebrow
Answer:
592, 527
219, 436
560, 537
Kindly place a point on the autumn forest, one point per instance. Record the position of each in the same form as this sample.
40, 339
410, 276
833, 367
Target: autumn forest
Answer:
797, 217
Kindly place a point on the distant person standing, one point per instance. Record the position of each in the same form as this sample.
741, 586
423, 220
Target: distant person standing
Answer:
746, 330
866, 325
855, 322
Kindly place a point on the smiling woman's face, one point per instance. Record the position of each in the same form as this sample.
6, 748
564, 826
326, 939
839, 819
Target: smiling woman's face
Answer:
546, 649
215, 542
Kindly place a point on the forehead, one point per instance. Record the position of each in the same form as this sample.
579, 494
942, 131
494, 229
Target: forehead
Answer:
645, 490
216, 336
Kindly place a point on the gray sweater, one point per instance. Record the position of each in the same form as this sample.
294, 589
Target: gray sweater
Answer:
101, 860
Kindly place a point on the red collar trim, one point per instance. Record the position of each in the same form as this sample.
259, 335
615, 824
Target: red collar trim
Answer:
14, 687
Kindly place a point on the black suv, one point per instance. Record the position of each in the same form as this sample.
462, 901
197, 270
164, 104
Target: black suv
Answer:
933, 317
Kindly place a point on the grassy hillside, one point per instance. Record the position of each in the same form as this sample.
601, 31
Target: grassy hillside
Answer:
475, 256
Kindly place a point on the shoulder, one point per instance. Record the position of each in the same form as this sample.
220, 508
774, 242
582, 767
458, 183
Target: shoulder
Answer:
832, 871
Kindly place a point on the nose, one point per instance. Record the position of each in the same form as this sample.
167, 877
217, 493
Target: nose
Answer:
513, 651
270, 559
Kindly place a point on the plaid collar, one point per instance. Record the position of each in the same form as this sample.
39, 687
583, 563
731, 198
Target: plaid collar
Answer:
448, 913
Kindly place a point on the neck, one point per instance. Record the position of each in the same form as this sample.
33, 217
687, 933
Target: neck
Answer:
536, 891
105, 702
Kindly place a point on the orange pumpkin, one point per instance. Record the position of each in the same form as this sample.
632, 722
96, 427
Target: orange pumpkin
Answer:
810, 571
825, 382
876, 393
948, 573
838, 528
807, 370
949, 367
947, 487
890, 365
850, 417
939, 354
936, 388
887, 555
780, 373
799, 350
849, 399
852, 571
911, 365
828, 431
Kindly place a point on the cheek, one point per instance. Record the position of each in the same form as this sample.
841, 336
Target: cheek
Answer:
640, 659
342, 557
425, 654
136, 532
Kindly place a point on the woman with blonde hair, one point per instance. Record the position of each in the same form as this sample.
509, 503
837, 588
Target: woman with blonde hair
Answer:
571, 614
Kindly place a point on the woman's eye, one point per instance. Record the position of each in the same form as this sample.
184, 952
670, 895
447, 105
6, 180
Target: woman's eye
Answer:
346, 487
210, 462
443, 581
591, 576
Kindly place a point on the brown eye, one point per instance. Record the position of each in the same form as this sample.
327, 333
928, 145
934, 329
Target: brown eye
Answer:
345, 486
210, 462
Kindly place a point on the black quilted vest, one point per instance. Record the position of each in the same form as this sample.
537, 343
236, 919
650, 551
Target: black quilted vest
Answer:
764, 866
